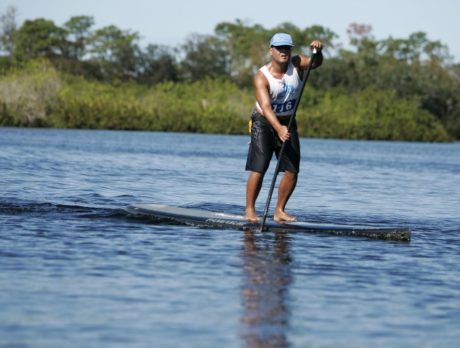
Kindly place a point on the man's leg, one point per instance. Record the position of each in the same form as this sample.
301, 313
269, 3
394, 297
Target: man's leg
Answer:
254, 184
287, 186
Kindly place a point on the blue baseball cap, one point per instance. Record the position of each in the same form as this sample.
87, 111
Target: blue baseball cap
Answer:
281, 39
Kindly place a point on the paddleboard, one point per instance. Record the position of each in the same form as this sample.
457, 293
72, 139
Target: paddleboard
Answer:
205, 218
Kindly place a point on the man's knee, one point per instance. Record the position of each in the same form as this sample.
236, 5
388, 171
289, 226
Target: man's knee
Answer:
290, 175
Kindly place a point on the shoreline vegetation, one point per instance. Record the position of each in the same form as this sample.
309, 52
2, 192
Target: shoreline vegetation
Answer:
40, 96
372, 93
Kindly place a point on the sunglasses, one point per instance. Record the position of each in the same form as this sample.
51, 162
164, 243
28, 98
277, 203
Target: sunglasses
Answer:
282, 48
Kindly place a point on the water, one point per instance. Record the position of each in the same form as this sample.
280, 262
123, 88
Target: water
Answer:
77, 271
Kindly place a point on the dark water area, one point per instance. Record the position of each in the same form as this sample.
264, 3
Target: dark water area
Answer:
76, 270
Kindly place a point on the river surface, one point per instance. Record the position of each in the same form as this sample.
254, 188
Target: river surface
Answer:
77, 271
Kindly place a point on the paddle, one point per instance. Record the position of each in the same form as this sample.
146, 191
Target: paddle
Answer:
291, 119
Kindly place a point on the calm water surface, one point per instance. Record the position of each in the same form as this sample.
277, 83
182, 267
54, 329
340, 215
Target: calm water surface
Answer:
77, 271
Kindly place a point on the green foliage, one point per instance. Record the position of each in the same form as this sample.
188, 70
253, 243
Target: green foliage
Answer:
115, 51
247, 47
39, 38
413, 68
158, 64
78, 32
8, 30
28, 95
205, 56
369, 114
38, 95
208, 106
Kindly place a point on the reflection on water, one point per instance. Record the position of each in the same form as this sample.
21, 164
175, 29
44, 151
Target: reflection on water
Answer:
265, 290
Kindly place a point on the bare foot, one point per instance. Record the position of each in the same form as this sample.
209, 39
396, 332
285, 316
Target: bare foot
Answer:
251, 216
282, 216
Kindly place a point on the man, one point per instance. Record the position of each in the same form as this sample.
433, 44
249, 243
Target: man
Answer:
277, 88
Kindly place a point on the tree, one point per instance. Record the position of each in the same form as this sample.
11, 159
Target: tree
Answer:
157, 64
325, 35
416, 48
8, 29
205, 56
247, 47
40, 38
78, 32
116, 52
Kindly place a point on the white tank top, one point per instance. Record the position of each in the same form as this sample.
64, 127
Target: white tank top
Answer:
283, 92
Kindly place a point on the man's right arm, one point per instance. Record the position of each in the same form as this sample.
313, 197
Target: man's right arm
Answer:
263, 99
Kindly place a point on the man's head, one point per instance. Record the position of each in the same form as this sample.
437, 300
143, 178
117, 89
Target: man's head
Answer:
280, 46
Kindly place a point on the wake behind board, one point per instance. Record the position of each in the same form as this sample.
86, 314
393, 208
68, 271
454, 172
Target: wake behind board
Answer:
205, 218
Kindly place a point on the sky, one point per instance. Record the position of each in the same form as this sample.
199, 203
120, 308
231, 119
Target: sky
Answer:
170, 22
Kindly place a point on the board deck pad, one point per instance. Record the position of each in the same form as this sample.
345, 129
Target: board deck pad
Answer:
205, 218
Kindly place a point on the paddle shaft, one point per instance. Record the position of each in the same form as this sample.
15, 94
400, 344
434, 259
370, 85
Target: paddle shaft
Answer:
278, 164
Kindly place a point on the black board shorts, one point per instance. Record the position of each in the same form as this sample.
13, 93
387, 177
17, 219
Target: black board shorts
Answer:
265, 142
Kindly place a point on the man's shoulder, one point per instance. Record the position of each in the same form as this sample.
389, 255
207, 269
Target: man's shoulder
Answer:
261, 73
260, 78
